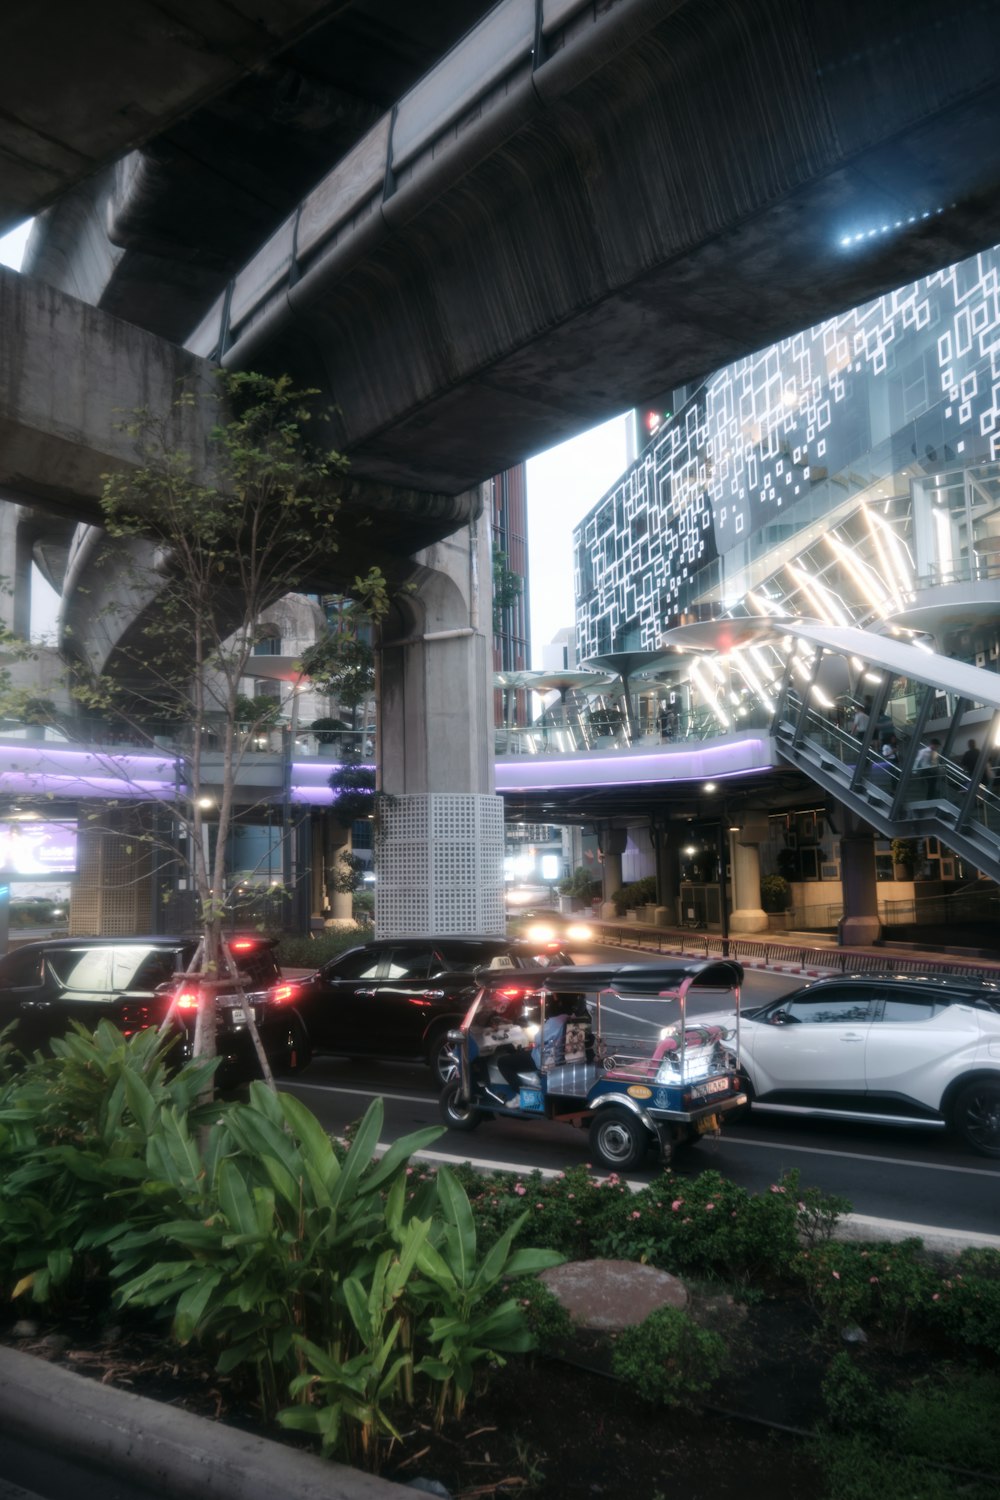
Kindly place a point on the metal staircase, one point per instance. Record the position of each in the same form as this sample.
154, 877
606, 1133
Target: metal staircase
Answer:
916, 695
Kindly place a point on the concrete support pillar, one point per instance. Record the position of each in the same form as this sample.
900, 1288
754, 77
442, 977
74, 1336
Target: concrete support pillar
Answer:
8, 549
666, 838
747, 914
336, 840
611, 842
860, 923
439, 844
26, 534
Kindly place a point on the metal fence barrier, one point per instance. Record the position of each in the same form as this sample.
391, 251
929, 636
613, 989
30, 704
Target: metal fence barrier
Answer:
839, 960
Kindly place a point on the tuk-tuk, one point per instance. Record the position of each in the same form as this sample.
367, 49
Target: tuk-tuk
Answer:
607, 1046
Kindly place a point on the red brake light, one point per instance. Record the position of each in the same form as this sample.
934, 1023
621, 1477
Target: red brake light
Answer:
242, 945
511, 992
187, 1000
283, 992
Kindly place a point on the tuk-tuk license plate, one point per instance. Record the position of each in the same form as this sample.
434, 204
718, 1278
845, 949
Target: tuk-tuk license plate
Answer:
713, 1086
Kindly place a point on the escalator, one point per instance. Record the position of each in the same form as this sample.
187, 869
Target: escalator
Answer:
919, 698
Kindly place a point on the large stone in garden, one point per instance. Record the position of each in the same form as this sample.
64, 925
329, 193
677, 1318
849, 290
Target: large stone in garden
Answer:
607, 1295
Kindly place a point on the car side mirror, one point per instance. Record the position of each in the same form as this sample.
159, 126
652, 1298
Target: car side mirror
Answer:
782, 1018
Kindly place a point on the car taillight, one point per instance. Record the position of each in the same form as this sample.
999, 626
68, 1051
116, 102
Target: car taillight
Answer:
187, 1000
242, 945
282, 993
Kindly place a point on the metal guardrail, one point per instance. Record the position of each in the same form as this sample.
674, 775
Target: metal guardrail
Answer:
838, 960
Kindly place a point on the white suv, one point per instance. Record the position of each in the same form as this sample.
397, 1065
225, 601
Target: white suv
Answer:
900, 1050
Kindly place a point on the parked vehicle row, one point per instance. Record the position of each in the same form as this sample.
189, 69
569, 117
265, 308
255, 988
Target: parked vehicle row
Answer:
921, 1050
400, 998
133, 982
903, 1050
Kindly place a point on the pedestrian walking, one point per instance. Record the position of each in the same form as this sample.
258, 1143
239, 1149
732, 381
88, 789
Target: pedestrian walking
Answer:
859, 720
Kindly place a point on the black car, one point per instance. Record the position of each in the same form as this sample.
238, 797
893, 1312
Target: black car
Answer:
47, 985
399, 997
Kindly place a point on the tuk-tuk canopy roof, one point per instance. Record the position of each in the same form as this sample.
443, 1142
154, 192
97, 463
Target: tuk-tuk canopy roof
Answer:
661, 977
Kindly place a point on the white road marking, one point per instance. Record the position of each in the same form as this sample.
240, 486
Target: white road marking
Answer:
727, 1139
882, 1161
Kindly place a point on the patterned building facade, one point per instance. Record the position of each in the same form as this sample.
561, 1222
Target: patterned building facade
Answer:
835, 474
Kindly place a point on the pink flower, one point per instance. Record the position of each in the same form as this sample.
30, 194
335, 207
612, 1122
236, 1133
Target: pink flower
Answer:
570, 1197
636, 1214
520, 1190
709, 1207
677, 1203
936, 1297
836, 1275
776, 1189
539, 1205
801, 1207
873, 1280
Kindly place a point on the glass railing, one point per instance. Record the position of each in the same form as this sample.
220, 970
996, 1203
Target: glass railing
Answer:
570, 734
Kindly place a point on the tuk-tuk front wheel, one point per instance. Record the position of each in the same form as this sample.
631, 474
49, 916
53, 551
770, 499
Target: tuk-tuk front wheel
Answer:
458, 1115
618, 1139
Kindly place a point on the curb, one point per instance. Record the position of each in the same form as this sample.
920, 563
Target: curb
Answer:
179, 1455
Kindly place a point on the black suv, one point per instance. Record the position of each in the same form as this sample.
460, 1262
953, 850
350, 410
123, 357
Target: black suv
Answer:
130, 981
399, 997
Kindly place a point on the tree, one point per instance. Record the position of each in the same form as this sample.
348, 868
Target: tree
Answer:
210, 548
507, 588
342, 663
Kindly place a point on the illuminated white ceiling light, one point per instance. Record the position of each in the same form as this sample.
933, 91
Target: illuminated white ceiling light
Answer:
878, 600
942, 529
825, 603
884, 227
708, 693
821, 697
901, 563
888, 573
765, 667
763, 604
753, 681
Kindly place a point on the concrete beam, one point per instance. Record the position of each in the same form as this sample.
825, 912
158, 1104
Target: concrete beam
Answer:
69, 374
82, 84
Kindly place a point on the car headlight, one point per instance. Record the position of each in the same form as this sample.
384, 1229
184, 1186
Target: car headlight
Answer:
540, 932
579, 932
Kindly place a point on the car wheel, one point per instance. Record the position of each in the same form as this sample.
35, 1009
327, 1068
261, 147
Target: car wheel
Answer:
291, 1050
618, 1139
458, 1115
443, 1060
976, 1116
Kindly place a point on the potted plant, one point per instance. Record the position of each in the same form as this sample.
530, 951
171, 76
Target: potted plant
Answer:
904, 858
775, 899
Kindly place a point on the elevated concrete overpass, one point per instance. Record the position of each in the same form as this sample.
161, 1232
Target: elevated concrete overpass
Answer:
573, 209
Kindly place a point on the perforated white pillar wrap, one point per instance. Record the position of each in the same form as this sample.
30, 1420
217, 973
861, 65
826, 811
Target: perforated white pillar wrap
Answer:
439, 865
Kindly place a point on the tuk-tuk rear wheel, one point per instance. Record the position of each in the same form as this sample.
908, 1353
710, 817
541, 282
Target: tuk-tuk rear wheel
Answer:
618, 1139
458, 1115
